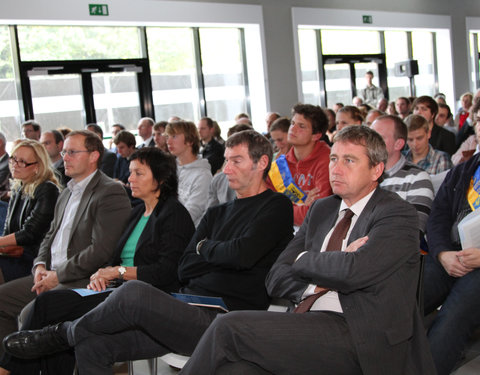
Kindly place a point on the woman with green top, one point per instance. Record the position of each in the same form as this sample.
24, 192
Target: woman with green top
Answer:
155, 237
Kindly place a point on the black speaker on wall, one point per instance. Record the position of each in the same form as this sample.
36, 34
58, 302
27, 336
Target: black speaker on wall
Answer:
407, 68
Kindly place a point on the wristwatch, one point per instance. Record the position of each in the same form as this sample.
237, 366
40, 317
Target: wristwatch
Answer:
121, 271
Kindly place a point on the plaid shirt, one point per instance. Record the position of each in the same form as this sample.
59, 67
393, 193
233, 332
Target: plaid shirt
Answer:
435, 162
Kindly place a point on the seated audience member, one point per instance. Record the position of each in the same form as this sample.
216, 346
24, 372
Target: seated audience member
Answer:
402, 107
382, 105
156, 235
53, 142
348, 115
452, 275
337, 106
470, 146
308, 158
391, 110
159, 135
125, 144
218, 133
444, 118
210, 149
371, 116
145, 131
279, 135
464, 111
441, 139
331, 124
220, 190
420, 150
194, 174
30, 211
364, 109
408, 180
114, 130
89, 217
357, 101
64, 130
109, 158
229, 256
270, 118
357, 311
31, 130
4, 178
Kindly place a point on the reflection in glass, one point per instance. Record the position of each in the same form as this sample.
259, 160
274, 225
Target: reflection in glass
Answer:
57, 100
350, 42
116, 100
309, 66
172, 66
337, 84
222, 66
43, 43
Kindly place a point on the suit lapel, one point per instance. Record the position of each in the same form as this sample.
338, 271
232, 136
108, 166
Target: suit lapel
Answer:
84, 202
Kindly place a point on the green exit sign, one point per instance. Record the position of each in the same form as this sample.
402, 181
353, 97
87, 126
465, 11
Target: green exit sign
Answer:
98, 9
367, 19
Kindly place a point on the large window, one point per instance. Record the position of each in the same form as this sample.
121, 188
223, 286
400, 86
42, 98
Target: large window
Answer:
71, 75
9, 104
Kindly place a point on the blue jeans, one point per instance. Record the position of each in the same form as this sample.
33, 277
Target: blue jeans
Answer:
458, 317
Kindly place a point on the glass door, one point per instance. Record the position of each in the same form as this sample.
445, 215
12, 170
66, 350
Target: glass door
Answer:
338, 84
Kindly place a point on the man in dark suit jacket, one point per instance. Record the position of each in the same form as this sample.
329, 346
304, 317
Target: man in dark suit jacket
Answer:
109, 158
367, 321
81, 238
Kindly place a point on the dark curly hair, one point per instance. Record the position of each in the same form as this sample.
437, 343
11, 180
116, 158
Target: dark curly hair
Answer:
315, 114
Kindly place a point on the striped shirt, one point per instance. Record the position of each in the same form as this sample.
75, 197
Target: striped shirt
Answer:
435, 162
412, 184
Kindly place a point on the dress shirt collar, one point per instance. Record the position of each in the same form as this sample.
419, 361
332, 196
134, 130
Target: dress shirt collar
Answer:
80, 186
358, 206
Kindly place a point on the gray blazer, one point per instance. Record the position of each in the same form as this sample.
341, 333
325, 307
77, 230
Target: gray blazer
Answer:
376, 284
98, 224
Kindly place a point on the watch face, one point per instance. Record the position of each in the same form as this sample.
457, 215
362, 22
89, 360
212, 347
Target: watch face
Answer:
122, 270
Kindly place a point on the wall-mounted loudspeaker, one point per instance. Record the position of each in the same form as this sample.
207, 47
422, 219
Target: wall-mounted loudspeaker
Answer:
407, 68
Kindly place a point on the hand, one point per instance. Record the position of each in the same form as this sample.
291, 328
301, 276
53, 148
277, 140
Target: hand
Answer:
355, 245
47, 282
469, 258
40, 273
100, 279
312, 196
452, 265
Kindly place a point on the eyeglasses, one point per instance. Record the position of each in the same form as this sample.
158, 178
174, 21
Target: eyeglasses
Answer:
71, 153
22, 164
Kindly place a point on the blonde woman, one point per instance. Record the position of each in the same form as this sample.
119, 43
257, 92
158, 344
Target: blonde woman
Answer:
34, 192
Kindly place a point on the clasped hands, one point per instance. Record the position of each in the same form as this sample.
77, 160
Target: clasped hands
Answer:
43, 280
459, 263
99, 280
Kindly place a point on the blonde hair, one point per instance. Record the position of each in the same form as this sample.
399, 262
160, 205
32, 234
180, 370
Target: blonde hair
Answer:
44, 173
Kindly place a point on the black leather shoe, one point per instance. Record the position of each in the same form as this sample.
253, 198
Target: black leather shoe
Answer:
36, 344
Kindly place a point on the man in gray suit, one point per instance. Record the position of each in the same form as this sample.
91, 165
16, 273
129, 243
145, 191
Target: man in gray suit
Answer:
363, 318
89, 217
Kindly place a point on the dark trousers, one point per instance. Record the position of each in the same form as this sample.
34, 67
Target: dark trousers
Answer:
136, 321
50, 308
261, 342
457, 319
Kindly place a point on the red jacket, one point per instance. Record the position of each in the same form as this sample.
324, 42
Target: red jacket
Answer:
309, 173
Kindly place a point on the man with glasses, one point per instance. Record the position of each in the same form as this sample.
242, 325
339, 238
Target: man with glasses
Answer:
81, 238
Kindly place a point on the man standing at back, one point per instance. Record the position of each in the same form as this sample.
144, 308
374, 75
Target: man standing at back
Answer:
353, 270
81, 238
308, 157
229, 256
